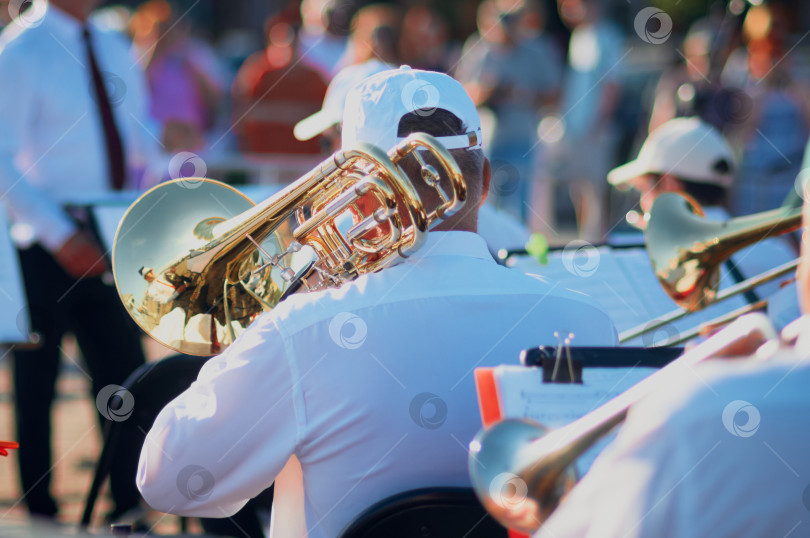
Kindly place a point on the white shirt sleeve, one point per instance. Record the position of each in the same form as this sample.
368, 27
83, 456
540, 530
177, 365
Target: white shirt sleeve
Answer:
635, 487
227, 437
51, 226
625, 492
719, 451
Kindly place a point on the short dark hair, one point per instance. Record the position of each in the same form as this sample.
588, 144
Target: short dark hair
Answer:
709, 193
435, 121
706, 194
442, 122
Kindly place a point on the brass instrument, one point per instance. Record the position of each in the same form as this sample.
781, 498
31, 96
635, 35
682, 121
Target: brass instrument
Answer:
687, 252
521, 471
195, 261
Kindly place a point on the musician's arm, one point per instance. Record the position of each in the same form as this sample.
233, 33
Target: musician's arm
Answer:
644, 483
50, 225
619, 496
225, 439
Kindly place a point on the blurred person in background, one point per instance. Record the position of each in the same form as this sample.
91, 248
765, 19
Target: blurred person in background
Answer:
326, 122
374, 34
678, 85
322, 41
272, 92
694, 86
186, 84
775, 127
513, 73
423, 43
590, 96
5, 14
74, 109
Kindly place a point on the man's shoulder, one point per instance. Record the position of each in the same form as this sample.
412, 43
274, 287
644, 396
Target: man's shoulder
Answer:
715, 393
301, 310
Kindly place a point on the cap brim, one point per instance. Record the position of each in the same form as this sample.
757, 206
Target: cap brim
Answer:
313, 125
624, 173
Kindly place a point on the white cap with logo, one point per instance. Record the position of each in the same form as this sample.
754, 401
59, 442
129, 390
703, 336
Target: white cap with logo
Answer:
375, 107
331, 113
687, 148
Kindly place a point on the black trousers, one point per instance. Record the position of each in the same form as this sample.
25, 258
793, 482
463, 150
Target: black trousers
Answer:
110, 343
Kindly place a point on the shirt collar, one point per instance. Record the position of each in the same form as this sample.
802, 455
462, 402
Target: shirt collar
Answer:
467, 244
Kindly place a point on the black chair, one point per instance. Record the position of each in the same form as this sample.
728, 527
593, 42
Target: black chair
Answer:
426, 513
152, 386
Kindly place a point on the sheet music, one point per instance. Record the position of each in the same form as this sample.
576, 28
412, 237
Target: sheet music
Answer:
523, 394
624, 284
14, 317
607, 282
638, 268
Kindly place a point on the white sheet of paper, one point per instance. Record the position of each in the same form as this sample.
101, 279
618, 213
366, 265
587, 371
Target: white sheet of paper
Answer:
622, 281
602, 275
14, 318
524, 395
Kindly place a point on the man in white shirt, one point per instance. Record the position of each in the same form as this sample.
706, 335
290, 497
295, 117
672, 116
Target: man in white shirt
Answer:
720, 453
72, 103
347, 396
589, 102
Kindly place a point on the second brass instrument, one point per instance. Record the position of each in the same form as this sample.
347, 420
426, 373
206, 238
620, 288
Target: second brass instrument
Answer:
521, 471
195, 261
687, 252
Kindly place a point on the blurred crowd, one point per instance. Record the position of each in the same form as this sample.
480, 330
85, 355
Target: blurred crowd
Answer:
567, 90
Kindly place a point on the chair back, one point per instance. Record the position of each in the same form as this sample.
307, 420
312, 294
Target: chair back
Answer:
426, 513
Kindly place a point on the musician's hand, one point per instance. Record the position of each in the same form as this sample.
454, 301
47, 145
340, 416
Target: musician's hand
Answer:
81, 257
743, 347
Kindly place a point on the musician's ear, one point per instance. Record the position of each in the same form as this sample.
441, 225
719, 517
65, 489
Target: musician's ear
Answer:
487, 177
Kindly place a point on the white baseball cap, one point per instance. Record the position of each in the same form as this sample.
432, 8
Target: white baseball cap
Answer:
687, 148
375, 106
331, 113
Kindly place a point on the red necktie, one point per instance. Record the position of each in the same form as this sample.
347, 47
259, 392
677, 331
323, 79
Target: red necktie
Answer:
112, 138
